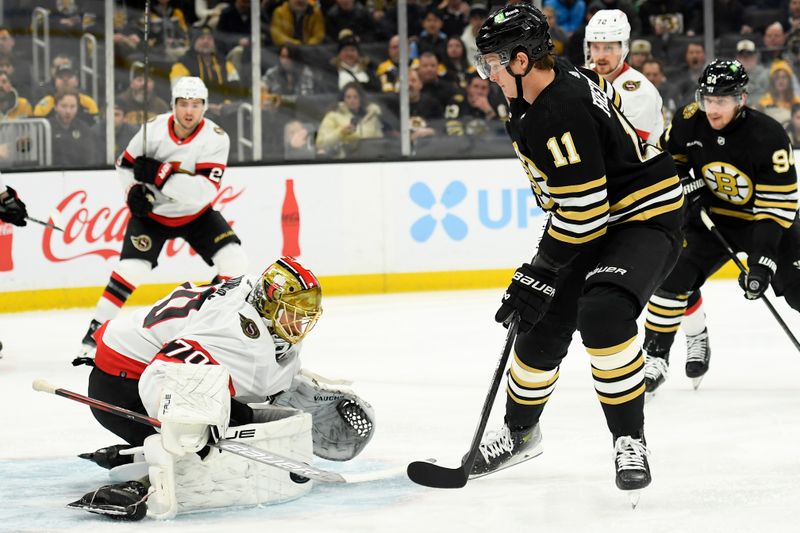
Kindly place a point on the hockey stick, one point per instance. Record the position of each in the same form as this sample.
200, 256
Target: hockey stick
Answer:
146, 75
713, 229
238, 448
440, 477
45, 224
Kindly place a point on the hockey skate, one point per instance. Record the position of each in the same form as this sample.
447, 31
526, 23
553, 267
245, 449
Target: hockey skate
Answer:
88, 346
110, 456
633, 470
656, 367
698, 356
123, 501
506, 447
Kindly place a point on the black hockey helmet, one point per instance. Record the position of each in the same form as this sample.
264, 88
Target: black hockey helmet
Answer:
513, 28
723, 77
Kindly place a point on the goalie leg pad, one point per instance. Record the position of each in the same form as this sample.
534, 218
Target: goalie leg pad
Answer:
343, 423
225, 480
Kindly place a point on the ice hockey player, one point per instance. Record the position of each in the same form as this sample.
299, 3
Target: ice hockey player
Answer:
744, 173
210, 360
170, 185
12, 211
606, 45
614, 207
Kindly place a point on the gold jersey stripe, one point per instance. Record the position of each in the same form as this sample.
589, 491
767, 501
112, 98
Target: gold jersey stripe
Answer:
761, 187
525, 402
780, 205
584, 215
747, 216
627, 369
622, 399
680, 158
581, 187
644, 193
576, 240
527, 368
656, 310
652, 213
533, 385
611, 350
661, 329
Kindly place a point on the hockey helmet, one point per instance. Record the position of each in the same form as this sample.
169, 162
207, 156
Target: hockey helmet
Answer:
608, 26
722, 77
190, 87
511, 29
290, 297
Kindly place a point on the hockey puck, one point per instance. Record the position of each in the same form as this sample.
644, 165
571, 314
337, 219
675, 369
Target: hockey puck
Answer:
297, 478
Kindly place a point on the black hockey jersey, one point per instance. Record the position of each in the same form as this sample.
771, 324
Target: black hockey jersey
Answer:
587, 165
748, 166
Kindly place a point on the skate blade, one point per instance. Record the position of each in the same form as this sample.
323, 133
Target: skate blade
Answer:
535, 452
634, 498
696, 382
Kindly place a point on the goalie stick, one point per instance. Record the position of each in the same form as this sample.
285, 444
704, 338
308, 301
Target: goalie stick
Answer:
431, 475
238, 448
718, 234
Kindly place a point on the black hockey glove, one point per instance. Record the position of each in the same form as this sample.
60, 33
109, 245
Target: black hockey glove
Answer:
530, 293
696, 198
140, 200
153, 171
755, 282
12, 209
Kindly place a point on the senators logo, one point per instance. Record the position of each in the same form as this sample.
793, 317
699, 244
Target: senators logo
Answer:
249, 327
143, 243
631, 85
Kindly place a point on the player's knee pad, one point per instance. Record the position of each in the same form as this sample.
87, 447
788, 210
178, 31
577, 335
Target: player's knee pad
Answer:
222, 479
343, 423
606, 316
545, 346
134, 271
230, 261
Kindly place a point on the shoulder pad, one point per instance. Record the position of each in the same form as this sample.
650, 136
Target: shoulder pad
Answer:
631, 85
689, 111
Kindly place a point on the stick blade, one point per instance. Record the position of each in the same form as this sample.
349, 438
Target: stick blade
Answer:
435, 476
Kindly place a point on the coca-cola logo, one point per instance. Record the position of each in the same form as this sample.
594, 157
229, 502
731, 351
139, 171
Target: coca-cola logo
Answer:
100, 232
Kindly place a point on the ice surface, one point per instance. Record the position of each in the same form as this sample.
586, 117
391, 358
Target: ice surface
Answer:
724, 458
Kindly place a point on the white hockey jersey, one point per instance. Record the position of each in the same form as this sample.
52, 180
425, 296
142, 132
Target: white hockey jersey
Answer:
641, 102
198, 163
209, 324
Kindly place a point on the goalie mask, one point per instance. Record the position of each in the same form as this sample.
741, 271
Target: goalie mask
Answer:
289, 296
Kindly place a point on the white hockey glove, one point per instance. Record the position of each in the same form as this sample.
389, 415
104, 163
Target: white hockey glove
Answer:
195, 406
342, 423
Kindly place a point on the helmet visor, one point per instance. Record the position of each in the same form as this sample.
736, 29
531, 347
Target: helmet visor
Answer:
717, 102
487, 64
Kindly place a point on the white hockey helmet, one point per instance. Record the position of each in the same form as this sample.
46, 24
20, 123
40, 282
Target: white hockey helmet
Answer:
608, 26
190, 87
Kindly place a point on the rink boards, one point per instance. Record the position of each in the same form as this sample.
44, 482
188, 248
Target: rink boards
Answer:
363, 228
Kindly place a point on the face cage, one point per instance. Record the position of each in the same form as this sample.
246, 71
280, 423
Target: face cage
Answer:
292, 323
496, 60
736, 99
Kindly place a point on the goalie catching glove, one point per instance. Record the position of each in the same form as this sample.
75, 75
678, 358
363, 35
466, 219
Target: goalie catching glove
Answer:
342, 423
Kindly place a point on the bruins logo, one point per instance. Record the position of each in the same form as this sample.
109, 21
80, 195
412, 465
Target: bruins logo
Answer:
631, 85
690, 110
728, 182
143, 243
249, 327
